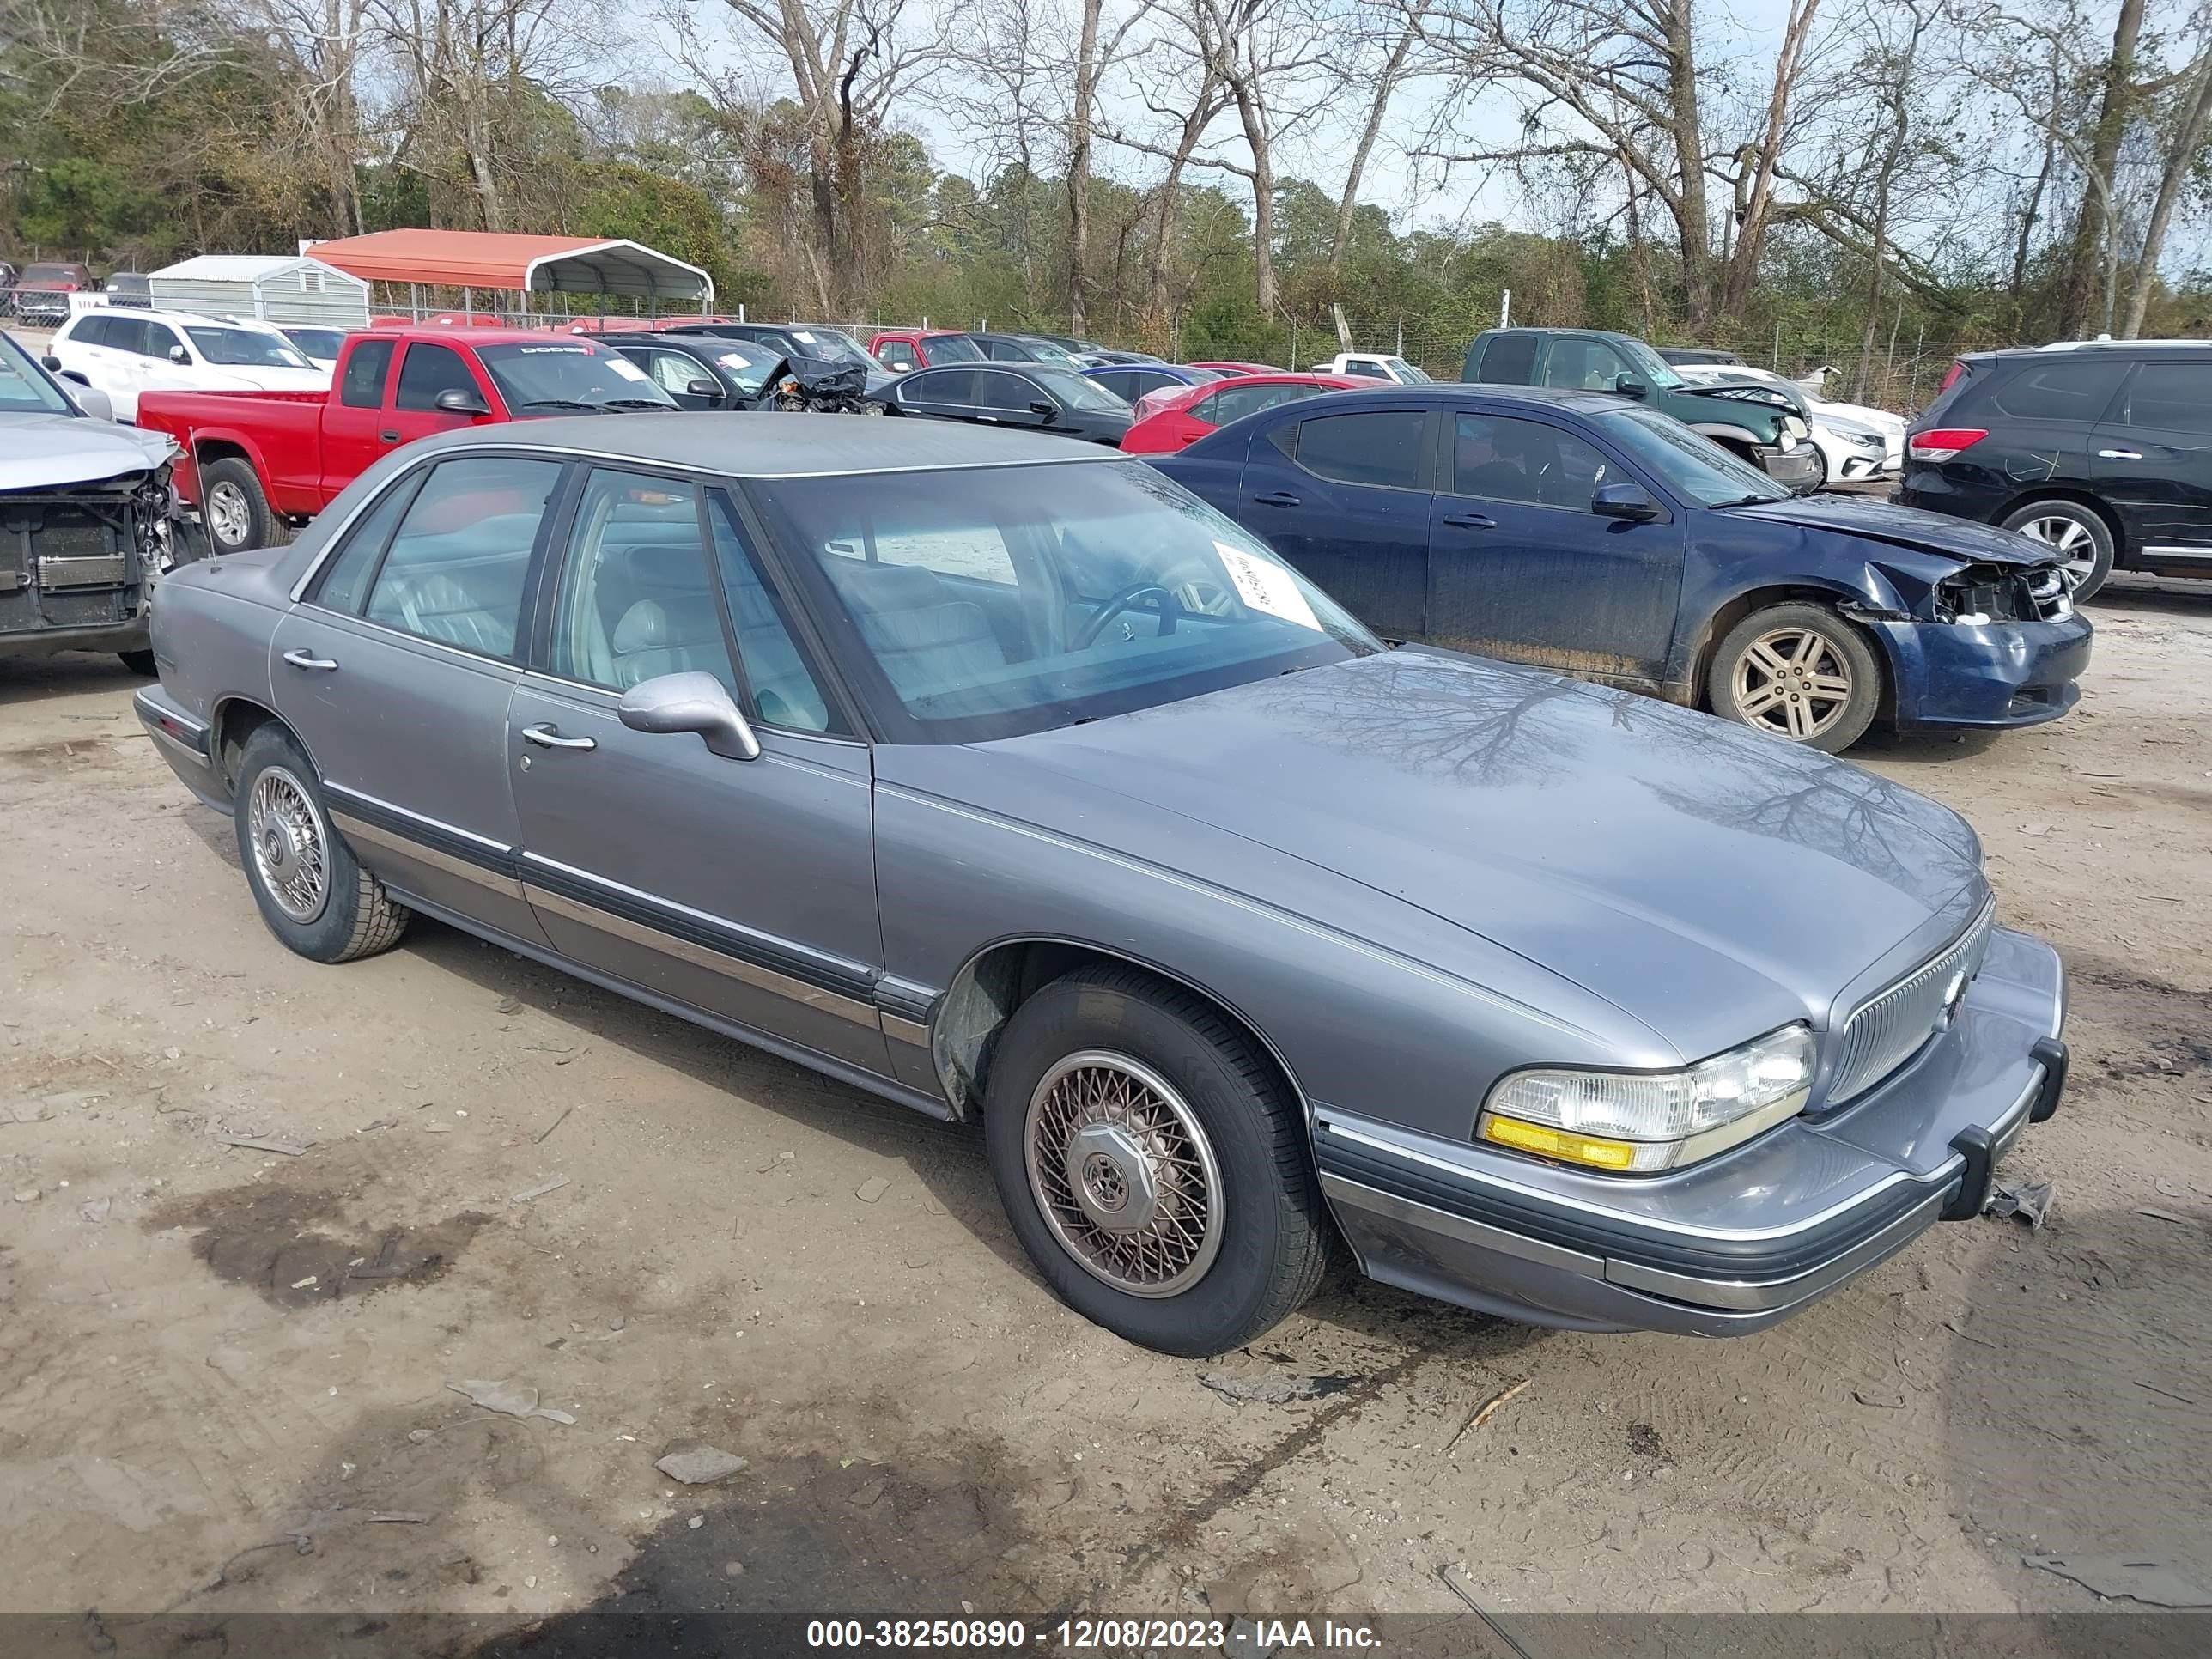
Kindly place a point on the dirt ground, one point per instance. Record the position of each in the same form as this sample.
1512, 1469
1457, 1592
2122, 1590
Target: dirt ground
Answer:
222, 1364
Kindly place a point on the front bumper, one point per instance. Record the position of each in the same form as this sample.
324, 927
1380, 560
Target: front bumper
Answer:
1996, 676
1738, 1242
1797, 468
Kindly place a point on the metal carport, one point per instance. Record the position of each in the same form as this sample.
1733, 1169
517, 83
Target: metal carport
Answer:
508, 262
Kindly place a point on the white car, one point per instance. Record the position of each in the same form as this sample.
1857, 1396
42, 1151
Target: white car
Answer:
1373, 366
1839, 417
319, 344
123, 353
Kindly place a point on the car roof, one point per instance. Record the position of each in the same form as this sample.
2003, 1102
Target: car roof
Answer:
775, 446
152, 314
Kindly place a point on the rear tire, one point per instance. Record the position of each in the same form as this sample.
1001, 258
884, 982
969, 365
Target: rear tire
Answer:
2076, 534
141, 662
311, 889
232, 507
1799, 672
1153, 1163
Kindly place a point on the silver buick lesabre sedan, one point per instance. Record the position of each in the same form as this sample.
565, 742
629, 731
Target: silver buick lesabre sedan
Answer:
994, 774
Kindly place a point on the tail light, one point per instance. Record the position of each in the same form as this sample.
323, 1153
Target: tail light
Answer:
1943, 442
1951, 376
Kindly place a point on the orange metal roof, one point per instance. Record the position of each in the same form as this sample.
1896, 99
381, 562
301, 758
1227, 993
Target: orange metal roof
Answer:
498, 259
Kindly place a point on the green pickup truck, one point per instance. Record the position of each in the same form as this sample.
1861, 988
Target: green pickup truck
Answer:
1764, 424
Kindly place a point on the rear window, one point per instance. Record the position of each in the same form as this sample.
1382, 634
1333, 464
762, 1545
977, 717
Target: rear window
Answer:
363, 387
1382, 447
2077, 389
1510, 360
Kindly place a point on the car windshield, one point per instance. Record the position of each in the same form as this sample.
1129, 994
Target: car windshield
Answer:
246, 348
747, 365
1074, 388
830, 343
950, 348
1045, 350
1657, 370
24, 387
569, 376
1405, 373
319, 343
1689, 462
988, 602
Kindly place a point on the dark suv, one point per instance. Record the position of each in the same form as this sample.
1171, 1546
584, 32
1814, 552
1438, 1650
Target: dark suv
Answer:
1763, 424
2102, 450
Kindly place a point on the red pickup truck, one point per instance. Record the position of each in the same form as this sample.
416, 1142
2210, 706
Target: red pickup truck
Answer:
251, 458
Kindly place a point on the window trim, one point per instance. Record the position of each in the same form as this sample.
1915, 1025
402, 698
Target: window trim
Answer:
807, 636
1425, 473
410, 480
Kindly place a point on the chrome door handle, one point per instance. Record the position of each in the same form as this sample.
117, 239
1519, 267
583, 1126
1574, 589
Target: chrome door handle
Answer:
548, 736
2119, 455
1470, 521
305, 659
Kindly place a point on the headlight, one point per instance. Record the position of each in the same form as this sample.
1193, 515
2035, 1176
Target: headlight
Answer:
1638, 1122
1793, 426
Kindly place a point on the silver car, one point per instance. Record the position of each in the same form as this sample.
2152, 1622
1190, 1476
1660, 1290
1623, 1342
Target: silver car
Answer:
996, 774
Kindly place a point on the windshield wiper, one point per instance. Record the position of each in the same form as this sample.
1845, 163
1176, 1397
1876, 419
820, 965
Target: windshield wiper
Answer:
1746, 501
632, 403
555, 402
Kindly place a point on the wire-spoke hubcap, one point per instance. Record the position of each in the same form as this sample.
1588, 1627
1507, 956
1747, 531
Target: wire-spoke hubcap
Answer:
1794, 682
227, 514
286, 836
1123, 1174
2071, 540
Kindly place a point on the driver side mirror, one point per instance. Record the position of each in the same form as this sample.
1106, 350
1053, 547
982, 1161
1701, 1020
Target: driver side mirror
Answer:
1630, 501
51, 361
1043, 411
95, 401
703, 388
178, 355
1629, 386
689, 702
460, 400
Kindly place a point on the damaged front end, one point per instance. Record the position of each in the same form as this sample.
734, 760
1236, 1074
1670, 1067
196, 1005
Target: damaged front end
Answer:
1984, 593
78, 561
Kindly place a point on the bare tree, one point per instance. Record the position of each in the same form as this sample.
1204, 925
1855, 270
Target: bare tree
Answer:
1387, 80
1757, 163
2184, 152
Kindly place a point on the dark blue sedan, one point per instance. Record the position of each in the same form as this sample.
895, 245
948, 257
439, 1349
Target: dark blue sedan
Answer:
1130, 382
1589, 534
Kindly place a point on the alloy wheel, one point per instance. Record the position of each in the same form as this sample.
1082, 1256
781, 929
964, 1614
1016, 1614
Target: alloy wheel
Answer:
1794, 682
2071, 540
229, 515
287, 836
1123, 1174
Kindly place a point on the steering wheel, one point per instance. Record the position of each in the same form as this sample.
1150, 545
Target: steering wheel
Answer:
1121, 600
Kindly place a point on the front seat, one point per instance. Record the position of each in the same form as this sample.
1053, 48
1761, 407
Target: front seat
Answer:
653, 639
927, 638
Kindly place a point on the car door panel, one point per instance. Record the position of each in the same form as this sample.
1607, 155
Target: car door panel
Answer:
1518, 569
2154, 462
356, 417
743, 888
1367, 544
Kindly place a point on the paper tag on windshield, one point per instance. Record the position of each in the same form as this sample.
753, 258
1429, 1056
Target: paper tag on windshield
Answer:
802, 336
1267, 587
627, 369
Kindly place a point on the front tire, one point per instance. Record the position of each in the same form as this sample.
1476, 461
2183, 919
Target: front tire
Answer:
2078, 535
233, 507
310, 889
1153, 1163
1799, 672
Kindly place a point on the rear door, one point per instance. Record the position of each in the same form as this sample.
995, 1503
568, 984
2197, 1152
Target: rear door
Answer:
355, 427
944, 394
397, 670
2154, 461
2043, 420
744, 888
1520, 568
1345, 499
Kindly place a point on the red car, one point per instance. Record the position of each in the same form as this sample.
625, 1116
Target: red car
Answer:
1239, 368
1176, 415
902, 349
250, 458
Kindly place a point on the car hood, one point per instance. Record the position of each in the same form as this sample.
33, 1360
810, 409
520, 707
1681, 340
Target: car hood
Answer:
1880, 419
1901, 526
41, 452
1708, 881
1759, 395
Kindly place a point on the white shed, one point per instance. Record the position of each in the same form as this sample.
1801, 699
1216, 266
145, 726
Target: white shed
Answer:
283, 288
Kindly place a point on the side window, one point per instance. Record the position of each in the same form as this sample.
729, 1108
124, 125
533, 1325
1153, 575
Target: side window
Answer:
898, 355
1380, 448
672, 371
1502, 459
456, 568
364, 375
785, 691
1510, 360
2080, 390
93, 331
1583, 366
2175, 396
1120, 382
344, 583
158, 340
1234, 403
1139, 381
944, 386
635, 602
426, 371
1004, 351
1002, 390
1367, 371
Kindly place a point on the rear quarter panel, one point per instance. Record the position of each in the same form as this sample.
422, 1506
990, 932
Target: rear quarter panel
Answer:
212, 624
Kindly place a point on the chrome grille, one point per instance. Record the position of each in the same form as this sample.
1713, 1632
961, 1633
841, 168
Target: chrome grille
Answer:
1888, 1029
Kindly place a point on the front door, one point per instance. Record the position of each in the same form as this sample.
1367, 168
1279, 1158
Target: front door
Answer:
743, 888
1345, 499
417, 616
2154, 462
1520, 568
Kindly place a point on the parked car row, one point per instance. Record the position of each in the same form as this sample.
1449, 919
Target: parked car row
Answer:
126, 353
